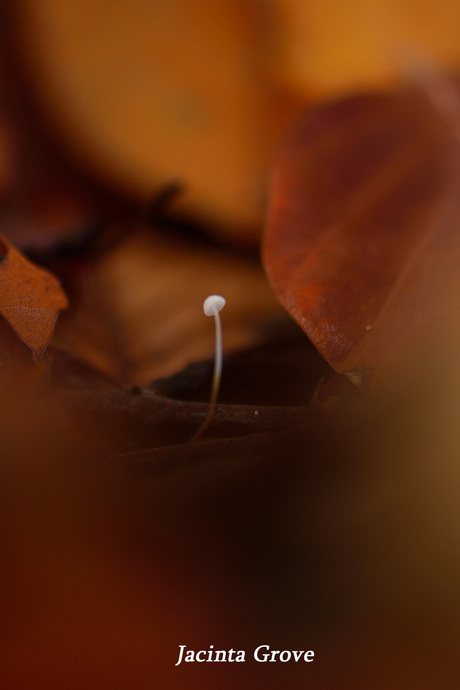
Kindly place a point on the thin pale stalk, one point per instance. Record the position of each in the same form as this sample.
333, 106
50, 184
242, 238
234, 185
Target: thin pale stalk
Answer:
215, 379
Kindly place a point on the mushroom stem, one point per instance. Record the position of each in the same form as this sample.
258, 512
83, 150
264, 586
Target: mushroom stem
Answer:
212, 306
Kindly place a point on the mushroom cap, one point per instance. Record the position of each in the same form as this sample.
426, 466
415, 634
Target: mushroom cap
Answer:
213, 304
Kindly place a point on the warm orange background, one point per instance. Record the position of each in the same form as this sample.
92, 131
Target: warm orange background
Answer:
147, 92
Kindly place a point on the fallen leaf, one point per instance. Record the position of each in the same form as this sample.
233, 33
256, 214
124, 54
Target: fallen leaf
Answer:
146, 93
31, 298
136, 313
362, 243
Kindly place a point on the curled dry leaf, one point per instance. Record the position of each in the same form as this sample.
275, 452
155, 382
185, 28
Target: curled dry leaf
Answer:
362, 243
31, 298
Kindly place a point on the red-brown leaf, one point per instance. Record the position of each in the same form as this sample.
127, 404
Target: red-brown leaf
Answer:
362, 243
31, 298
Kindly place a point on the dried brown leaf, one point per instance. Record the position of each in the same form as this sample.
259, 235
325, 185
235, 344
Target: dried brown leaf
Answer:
31, 298
137, 314
362, 243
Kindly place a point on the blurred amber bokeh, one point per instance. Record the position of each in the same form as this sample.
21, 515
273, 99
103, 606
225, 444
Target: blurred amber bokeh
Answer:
330, 46
192, 90
345, 541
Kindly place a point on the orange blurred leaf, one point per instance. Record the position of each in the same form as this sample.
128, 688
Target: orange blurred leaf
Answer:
146, 93
31, 298
362, 243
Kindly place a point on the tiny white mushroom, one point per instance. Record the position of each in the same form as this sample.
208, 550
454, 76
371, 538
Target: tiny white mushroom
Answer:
211, 307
